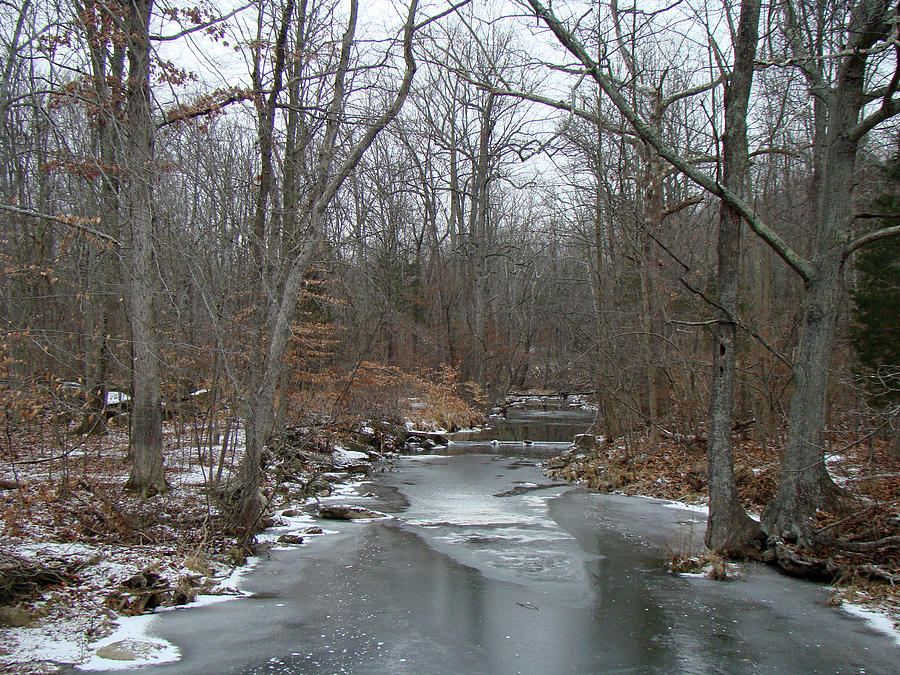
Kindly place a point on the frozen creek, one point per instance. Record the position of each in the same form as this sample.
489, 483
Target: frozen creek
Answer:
479, 572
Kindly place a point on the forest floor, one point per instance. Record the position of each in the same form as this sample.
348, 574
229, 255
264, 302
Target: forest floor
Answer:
676, 471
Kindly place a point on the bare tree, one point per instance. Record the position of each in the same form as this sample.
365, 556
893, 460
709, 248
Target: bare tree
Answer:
327, 176
730, 528
146, 418
805, 484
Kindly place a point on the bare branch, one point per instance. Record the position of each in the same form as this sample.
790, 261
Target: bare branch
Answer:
794, 260
202, 26
74, 222
869, 238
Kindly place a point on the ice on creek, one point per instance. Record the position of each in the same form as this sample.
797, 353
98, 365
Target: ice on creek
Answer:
509, 538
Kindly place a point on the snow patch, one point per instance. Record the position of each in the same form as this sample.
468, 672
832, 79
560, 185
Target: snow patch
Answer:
684, 506
878, 621
342, 456
132, 636
116, 398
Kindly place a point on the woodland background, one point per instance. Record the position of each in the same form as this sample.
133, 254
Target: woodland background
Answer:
278, 212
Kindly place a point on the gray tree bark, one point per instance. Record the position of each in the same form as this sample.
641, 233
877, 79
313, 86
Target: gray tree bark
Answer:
146, 420
805, 484
729, 529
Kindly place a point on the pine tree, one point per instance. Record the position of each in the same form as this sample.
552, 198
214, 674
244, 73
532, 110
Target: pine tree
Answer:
876, 312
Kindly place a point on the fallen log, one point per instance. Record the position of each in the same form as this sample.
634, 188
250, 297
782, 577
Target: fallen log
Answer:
736, 428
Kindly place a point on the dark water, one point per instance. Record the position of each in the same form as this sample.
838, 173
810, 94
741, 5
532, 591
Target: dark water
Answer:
486, 568
520, 425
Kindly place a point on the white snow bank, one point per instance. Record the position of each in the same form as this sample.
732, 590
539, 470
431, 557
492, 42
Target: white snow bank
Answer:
696, 508
131, 635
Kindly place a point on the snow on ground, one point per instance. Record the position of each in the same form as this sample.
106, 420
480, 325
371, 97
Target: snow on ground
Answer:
878, 621
116, 397
344, 457
685, 506
78, 517
130, 638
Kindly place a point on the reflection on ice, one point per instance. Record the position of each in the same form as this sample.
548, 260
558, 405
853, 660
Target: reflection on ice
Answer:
505, 535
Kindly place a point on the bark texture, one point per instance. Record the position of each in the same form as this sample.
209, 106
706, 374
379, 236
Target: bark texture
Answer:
730, 531
805, 485
146, 419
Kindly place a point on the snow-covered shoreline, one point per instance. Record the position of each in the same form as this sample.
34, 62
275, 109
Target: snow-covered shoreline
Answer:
76, 624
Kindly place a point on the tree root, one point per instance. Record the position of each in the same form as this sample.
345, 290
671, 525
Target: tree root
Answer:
805, 566
885, 543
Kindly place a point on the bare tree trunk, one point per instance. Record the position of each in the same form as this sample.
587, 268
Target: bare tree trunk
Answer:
805, 484
146, 420
729, 529
478, 240
247, 503
108, 70
651, 277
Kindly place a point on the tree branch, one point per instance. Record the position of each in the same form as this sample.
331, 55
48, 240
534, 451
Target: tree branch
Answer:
793, 259
888, 109
866, 239
75, 222
202, 26
385, 118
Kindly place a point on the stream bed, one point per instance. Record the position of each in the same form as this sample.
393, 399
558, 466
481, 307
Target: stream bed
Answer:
485, 566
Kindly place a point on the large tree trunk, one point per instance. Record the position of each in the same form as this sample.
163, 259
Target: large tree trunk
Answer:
478, 243
146, 421
729, 530
805, 485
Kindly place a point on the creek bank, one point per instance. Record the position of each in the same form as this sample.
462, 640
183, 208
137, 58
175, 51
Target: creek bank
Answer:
79, 552
858, 552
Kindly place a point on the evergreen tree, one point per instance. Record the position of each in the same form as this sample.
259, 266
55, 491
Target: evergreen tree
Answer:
876, 306
876, 311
